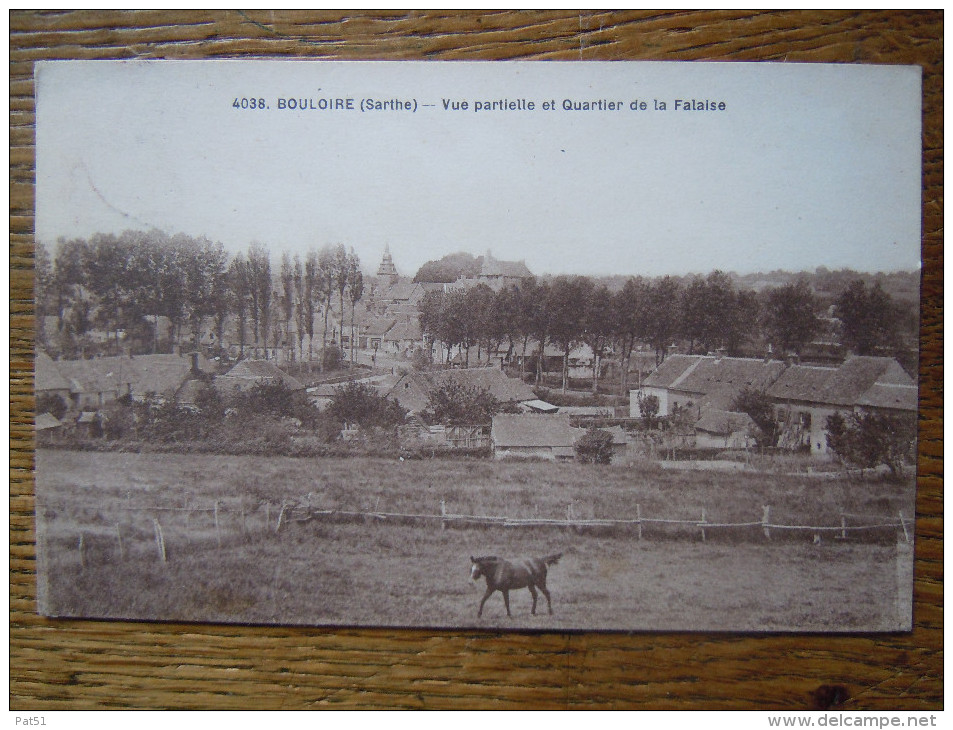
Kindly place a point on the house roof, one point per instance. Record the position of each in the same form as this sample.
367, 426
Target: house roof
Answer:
46, 376
889, 395
262, 370
494, 267
801, 382
725, 423
403, 290
672, 368
412, 389
877, 382
161, 374
540, 406
409, 330
714, 376
377, 326
538, 431
858, 374
46, 421
541, 431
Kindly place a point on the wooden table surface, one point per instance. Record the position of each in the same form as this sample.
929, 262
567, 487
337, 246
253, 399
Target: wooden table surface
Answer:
86, 664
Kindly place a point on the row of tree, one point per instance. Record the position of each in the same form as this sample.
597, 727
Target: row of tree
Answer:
708, 314
119, 283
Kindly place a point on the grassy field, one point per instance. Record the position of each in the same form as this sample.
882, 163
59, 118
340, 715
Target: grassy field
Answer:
100, 558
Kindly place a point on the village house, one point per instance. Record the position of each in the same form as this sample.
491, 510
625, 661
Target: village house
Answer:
249, 373
548, 437
92, 384
704, 381
725, 430
534, 437
412, 389
804, 396
496, 274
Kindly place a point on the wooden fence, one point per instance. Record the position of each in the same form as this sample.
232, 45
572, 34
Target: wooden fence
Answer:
223, 520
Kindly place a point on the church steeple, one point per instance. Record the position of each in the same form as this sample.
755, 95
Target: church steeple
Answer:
387, 267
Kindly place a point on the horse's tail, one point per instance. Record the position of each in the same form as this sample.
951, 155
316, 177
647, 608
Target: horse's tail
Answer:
552, 559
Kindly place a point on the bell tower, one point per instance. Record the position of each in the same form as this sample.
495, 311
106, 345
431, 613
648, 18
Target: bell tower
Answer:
387, 267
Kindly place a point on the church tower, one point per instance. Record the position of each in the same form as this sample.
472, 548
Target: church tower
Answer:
387, 267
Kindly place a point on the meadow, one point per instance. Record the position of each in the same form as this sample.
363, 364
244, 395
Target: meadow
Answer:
227, 559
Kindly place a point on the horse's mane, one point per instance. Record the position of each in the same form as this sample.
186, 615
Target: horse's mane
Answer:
487, 559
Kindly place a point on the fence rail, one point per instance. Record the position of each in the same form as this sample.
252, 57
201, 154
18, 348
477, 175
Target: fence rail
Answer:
272, 517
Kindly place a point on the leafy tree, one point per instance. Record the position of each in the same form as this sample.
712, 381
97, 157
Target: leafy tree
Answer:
869, 318
314, 294
327, 275
359, 403
288, 296
449, 268
758, 405
595, 447
790, 316
240, 286
454, 404
869, 439
355, 288
662, 315
597, 326
43, 280
483, 320
710, 312
649, 408
566, 308
743, 323
274, 399
629, 308
259, 274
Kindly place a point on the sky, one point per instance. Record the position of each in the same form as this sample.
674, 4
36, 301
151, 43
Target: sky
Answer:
807, 165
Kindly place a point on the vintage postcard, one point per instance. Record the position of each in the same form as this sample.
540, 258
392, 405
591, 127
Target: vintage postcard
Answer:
530, 346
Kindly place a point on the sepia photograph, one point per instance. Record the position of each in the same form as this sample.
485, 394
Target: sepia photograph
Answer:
626, 346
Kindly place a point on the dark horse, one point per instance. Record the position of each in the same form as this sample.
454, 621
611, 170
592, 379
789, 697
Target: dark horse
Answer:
505, 575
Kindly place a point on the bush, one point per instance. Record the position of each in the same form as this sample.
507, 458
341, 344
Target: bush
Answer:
359, 403
595, 447
55, 405
758, 405
454, 404
275, 399
868, 440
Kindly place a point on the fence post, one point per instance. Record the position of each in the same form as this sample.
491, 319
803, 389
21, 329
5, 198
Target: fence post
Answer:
218, 533
82, 550
903, 524
267, 514
443, 514
765, 521
122, 554
160, 541
638, 514
702, 524
843, 527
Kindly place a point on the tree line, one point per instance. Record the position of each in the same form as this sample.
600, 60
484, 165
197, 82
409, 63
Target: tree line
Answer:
121, 283
706, 314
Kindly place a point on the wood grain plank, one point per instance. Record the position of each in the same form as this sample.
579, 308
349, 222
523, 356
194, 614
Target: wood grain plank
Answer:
94, 665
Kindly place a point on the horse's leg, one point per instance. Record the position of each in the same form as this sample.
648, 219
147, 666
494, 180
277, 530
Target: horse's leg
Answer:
486, 595
532, 590
548, 599
506, 600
